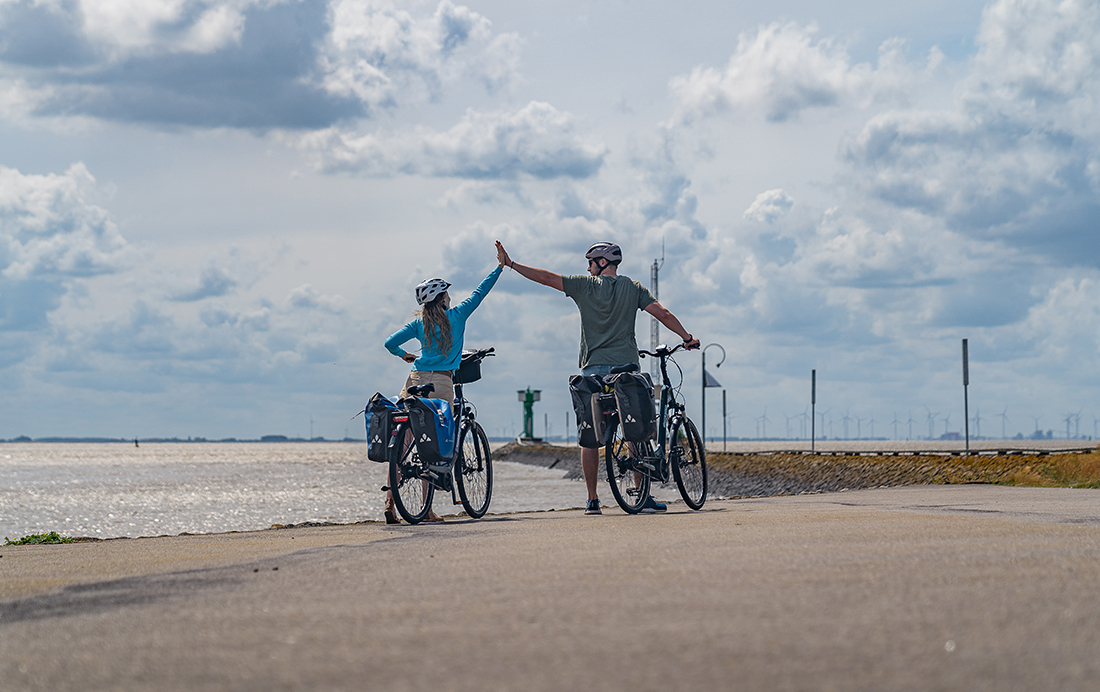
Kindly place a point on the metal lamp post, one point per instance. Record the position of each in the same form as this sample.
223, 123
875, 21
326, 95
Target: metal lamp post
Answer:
703, 419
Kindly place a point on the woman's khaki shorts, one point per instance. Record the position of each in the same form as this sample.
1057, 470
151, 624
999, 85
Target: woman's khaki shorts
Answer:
444, 386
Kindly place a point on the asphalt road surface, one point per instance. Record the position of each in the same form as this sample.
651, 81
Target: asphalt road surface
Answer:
921, 588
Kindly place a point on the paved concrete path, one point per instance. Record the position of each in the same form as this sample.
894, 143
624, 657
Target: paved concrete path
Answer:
930, 588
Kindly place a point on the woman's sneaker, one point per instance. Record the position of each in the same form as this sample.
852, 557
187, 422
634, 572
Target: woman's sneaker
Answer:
593, 507
651, 506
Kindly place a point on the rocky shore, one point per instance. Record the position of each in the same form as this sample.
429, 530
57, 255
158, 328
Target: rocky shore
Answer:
791, 473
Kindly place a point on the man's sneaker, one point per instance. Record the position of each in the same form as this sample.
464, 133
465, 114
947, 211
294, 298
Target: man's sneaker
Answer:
651, 506
593, 507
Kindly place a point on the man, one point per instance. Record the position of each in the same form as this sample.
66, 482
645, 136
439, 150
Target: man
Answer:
608, 304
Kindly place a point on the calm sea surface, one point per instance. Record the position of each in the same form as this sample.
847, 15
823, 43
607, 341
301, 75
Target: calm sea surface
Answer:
109, 490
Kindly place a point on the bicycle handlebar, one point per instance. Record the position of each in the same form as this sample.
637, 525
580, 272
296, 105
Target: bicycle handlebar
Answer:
662, 351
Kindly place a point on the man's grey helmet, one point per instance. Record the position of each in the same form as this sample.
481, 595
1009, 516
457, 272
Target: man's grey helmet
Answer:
608, 251
429, 290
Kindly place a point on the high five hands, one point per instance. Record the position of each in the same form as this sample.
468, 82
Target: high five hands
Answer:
502, 256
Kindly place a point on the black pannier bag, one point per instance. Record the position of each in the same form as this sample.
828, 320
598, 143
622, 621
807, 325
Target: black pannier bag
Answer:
379, 425
585, 389
634, 397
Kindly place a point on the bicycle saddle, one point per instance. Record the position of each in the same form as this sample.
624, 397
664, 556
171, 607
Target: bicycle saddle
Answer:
624, 368
421, 390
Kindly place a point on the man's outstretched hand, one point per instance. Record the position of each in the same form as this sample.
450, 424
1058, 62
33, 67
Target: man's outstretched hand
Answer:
691, 344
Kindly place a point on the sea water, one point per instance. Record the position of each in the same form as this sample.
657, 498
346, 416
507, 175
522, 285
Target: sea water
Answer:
115, 489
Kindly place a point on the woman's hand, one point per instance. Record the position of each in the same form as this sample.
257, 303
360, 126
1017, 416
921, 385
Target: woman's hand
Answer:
408, 358
502, 256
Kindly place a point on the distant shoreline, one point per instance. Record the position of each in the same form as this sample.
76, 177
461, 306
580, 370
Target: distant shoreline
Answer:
155, 440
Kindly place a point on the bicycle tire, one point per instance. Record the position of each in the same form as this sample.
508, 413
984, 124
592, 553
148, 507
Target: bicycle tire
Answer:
473, 469
689, 463
412, 495
629, 487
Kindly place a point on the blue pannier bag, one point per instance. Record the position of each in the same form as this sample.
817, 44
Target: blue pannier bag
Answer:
433, 427
379, 426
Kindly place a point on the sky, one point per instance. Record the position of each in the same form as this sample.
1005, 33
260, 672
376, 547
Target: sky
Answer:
213, 212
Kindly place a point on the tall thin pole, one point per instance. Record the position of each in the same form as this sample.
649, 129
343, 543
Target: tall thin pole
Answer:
704, 417
723, 420
966, 396
813, 406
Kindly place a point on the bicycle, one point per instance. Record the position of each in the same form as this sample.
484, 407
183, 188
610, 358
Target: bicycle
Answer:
469, 472
633, 466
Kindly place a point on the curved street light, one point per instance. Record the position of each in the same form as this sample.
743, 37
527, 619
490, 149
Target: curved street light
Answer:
703, 420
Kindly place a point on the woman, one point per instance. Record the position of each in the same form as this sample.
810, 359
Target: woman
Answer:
439, 328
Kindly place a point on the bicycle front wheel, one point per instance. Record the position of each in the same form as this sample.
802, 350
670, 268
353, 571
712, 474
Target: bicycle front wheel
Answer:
474, 471
689, 463
412, 493
629, 486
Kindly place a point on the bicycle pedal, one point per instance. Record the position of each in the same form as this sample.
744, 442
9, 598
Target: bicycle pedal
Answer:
385, 488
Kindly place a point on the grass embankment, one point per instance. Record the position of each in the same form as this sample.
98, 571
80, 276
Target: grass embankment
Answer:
756, 474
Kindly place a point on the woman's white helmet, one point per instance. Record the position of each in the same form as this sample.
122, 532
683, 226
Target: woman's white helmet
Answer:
604, 250
429, 289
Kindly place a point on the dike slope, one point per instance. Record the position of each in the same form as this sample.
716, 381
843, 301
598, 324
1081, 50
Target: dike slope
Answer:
782, 473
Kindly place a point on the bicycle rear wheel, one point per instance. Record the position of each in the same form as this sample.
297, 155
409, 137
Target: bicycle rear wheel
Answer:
689, 463
629, 486
412, 494
474, 471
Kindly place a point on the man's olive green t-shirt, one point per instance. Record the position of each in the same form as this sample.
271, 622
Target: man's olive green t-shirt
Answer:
609, 306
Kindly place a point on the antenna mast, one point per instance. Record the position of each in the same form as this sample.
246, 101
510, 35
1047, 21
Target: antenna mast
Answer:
655, 326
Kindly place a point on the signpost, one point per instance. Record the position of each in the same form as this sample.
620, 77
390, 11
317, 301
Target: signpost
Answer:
966, 399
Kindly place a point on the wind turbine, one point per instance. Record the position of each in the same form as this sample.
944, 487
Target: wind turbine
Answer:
946, 422
977, 423
788, 424
845, 420
910, 422
822, 414
859, 428
872, 421
1004, 417
931, 422
764, 422
895, 424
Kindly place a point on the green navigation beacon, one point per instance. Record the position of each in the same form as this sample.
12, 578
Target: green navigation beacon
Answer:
529, 397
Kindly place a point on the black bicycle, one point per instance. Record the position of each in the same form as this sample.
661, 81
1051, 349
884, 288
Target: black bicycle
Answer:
678, 455
469, 473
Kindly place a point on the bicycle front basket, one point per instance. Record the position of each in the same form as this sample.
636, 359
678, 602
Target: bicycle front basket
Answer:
469, 370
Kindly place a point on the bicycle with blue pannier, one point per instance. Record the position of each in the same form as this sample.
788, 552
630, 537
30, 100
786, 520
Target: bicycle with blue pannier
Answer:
431, 444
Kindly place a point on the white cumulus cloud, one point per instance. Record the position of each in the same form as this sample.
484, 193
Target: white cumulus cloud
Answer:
781, 70
537, 140
769, 206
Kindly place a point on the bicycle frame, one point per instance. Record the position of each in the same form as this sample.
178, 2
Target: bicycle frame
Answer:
464, 418
665, 420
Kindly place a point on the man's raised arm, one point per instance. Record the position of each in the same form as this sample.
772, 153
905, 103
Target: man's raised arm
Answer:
541, 276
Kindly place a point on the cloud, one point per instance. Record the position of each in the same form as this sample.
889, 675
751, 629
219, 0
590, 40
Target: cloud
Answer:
305, 297
256, 64
769, 206
1016, 162
781, 71
51, 237
537, 141
215, 282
